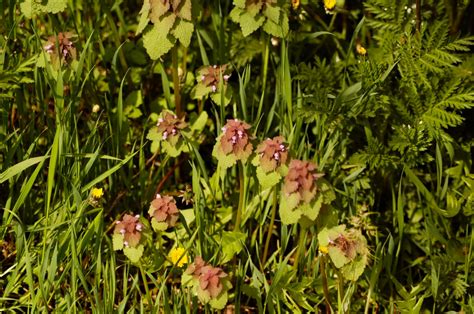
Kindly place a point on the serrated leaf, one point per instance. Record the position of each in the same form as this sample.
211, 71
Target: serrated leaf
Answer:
239, 3
185, 10
217, 96
158, 9
200, 122
267, 180
338, 257
272, 13
172, 151
277, 29
250, 24
224, 161
117, 241
144, 17
231, 243
312, 210
326, 235
156, 41
158, 226
201, 90
56, 6
355, 268
183, 31
134, 253
289, 214
220, 301
187, 280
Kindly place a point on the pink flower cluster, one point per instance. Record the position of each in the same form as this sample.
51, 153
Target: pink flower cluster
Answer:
170, 125
272, 153
301, 179
209, 277
235, 139
130, 227
163, 209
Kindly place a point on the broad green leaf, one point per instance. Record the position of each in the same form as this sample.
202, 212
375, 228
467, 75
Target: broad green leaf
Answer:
185, 10
144, 17
338, 257
156, 41
250, 24
134, 253
355, 268
220, 301
200, 122
183, 31
272, 13
117, 241
158, 226
231, 243
267, 180
288, 213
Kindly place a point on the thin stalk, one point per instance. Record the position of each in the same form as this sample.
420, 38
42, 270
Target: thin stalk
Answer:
325, 284
176, 87
301, 246
145, 283
266, 57
418, 15
270, 227
340, 293
241, 196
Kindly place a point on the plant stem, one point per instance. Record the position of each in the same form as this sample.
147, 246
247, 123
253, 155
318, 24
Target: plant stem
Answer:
145, 283
241, 196
340, 292
418, 15
325, 283
301, 246
176, 87
270, 228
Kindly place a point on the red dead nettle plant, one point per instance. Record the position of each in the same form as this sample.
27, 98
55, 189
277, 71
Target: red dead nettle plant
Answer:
233, 145
301, 200
271, 165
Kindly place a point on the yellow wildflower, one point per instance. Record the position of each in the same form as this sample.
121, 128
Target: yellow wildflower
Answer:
361, 50
295, 4
178, 256
323, 249
97, 193
329, 5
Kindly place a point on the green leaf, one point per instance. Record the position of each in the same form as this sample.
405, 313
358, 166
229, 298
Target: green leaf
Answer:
156, 41
201, 90
220, 301
117, 241
200, 123
217, 96
338, 257
272, 13
250, 24
231, 243
172, 151
224, 161
355, 268
185, 10
144, 17
267, 180
158, 226
288, 214
134, 253
183, 31
277, 29
56, 6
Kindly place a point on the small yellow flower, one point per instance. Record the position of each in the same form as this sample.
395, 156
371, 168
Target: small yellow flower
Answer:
329, 5
295, 4
178, 256
97, 193
324, 249
361, 50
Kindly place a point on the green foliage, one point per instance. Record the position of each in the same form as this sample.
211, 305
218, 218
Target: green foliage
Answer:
378, 94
